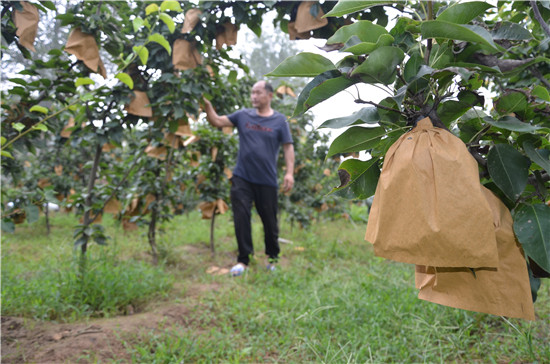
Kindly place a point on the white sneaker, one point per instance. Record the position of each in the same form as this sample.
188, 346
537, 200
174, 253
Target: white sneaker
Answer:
237, 269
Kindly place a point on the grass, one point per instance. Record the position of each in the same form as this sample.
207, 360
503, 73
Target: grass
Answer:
331, 301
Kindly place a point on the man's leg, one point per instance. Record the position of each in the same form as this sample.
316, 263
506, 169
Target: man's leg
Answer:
265, 199
241, 202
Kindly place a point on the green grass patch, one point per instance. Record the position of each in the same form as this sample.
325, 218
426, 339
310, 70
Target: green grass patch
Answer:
44, 277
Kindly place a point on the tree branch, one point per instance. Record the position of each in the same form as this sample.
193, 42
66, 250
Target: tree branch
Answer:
539, 17
539, 75
504, 65
360, 101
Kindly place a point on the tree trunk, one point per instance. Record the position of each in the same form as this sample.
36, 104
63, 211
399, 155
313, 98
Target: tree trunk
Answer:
212, 249
47, 213
151, 234
88, 203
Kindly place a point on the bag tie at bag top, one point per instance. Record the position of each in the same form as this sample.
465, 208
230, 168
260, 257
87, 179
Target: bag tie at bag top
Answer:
430, 209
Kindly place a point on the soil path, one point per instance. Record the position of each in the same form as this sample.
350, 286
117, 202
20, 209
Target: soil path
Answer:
97, 340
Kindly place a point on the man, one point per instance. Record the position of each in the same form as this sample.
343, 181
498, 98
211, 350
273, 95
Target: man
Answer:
262, 131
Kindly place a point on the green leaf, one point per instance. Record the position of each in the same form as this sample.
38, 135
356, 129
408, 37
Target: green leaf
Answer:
353, 45
539, 156
137, 24
344, 7
380, 66
511, 31
8, 226
171, 5
18, 81
367, 115
40, 109
365, 30
143, 53
511, 123
49, 4
87, 97
447, 30
5, 153
41, 127
304, 64
151, 9
126, 79
81, 81
158, 38
2, 140
533, 231
356, 139
541, 93
18, 126
304, 95
413, 66
326, 90
463, 13
361, 176
167, 19
509, 169
32, 213
511, 102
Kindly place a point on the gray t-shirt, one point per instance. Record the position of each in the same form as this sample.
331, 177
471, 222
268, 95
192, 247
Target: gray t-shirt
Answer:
259, 141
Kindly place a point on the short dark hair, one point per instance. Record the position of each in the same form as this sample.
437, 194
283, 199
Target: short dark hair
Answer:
268, 86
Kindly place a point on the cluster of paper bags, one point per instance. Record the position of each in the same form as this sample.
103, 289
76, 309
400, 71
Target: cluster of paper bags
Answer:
431, 210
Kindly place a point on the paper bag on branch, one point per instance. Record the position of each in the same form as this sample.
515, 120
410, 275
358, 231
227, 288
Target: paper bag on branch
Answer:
107, 147
140, 105
185, 55
209, 208
127, 225
191, 19
65, 133
156, 152
504, 291
305, 21
113, 206
26, 22
84, 47
284, 90
184, 130
293, 34
429, 208
226, 34
172, 140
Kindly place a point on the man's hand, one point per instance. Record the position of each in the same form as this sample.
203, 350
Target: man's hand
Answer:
288, 182
204, 102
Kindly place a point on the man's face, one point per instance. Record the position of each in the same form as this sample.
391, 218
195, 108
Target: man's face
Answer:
260, 97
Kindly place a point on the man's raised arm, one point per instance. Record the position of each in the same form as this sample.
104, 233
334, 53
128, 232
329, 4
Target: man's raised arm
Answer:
213, 117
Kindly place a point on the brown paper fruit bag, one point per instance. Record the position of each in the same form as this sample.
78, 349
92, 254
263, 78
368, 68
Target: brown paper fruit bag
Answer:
502, 291
185, 55
26, 22
84, 47
305, 20
428, 208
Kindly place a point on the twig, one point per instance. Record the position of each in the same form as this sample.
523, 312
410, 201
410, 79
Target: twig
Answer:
360, 101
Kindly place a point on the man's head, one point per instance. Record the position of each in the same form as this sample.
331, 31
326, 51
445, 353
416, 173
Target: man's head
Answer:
262, 93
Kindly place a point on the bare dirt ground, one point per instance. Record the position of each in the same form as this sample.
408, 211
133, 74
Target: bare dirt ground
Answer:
96, 340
